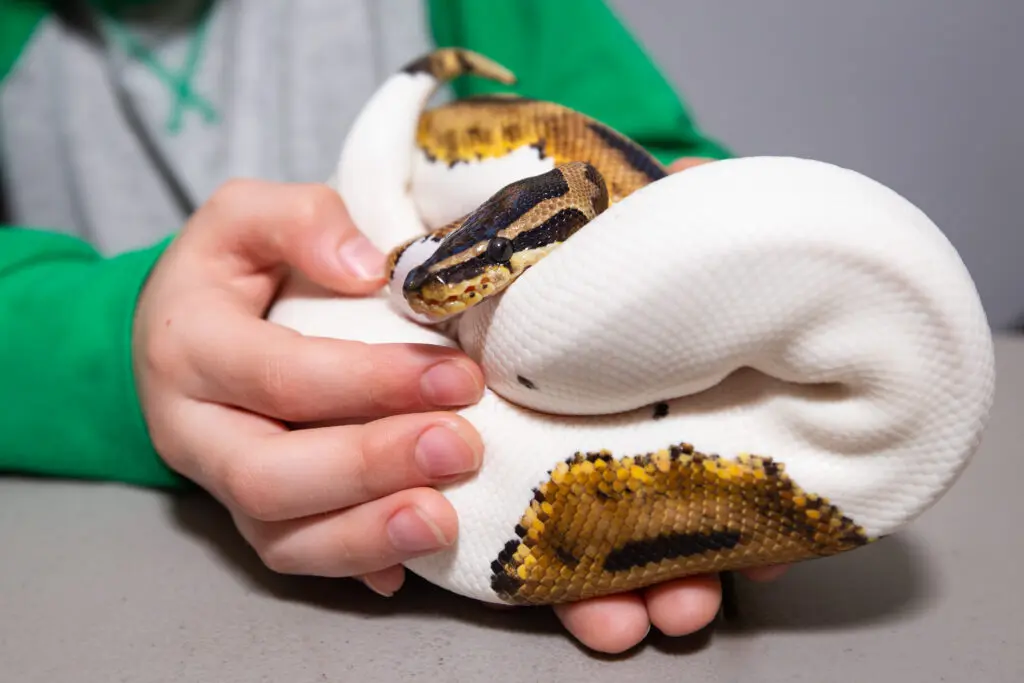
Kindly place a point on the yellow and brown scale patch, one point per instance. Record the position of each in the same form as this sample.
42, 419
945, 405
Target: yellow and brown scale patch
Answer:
602, 525
488, 127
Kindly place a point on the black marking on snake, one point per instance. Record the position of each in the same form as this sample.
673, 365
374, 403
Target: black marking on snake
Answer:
418, 66
460, 271
594, 176
566, 557
504, 208
669, 546
509, 551
634, 155
540, 146
502, 583
558, 228
660, 410
464, 64
525, 382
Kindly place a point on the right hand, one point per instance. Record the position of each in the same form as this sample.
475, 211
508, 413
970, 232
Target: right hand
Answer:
218, 384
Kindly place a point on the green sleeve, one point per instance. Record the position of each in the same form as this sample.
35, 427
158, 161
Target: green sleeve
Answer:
68, 405
18, 20
577, 53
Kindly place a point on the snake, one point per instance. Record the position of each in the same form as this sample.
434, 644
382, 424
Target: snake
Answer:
755, 361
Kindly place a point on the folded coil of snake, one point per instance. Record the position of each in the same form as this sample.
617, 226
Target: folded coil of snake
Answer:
754, 361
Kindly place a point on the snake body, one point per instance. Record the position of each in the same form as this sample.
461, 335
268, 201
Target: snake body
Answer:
755, 361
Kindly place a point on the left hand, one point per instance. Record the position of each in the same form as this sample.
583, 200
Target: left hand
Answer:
615, 623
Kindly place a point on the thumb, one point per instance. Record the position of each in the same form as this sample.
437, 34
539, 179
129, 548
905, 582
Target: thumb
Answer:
254, 227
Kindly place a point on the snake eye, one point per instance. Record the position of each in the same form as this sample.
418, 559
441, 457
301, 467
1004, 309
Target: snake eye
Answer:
499, 250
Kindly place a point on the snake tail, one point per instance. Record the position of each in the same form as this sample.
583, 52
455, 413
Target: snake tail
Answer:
377, 159
449, 63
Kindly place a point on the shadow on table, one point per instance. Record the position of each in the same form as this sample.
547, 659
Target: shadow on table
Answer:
879, 584
203, 517
885, 583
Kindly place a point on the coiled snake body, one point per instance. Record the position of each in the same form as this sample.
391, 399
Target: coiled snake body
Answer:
754, 361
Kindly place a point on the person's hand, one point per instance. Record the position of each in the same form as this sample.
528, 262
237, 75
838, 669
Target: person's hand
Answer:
616, 623
684, 163
218, 384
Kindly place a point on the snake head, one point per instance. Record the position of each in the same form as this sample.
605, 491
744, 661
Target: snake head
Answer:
510, 232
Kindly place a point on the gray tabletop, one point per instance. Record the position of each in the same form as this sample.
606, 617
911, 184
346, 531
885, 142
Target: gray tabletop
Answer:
106, 583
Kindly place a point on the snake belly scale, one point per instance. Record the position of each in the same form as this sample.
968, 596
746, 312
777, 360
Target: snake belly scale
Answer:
755, 361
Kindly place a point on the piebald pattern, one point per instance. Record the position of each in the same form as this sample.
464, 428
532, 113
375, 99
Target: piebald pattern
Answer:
811, 333
488, 127
599, 525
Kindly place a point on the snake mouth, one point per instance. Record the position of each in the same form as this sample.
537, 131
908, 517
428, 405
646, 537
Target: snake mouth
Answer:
434, 297
438, 299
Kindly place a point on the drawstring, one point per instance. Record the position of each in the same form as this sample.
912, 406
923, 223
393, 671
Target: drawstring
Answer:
180, 83
116, 64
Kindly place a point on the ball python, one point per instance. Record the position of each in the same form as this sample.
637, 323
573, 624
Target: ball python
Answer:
754, 361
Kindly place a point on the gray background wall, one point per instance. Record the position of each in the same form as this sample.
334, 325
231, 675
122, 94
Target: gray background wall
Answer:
925, 96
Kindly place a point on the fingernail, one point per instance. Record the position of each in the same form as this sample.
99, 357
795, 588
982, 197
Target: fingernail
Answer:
372, 585
411, 531
449, 384
362, 259
442, 453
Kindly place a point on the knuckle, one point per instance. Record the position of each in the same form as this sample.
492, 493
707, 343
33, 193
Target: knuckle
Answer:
278, 558
350, 555
251, 491
364, 481
231, 193
315, 207
282, 394
162, 350
369, 379
166, 446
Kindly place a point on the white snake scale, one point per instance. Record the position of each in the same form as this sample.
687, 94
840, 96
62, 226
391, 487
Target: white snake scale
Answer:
779, 307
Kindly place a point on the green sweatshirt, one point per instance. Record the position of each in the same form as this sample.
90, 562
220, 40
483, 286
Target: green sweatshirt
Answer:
68, 397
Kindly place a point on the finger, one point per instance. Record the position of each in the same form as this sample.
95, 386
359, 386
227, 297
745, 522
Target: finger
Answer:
361, 540
687, 162
385, 582
766, 574
611, 624
271, 474
684, 606
253, 364
252, 226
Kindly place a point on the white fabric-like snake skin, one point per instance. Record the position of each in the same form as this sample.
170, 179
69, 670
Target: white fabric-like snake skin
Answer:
780, 306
